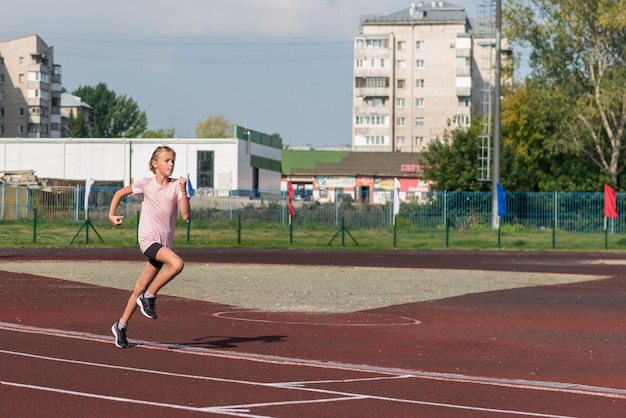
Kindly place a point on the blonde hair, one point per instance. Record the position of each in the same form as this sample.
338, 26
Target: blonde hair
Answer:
157, 152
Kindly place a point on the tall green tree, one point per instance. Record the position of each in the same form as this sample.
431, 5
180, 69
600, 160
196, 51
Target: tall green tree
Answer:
531, 161
77, 126
578, 50
112, 116
452, 163
215, 126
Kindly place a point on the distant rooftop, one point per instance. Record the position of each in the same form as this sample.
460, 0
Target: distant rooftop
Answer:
421, 11
68, 100
349, 163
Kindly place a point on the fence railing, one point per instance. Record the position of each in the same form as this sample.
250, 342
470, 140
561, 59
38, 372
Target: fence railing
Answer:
570, 212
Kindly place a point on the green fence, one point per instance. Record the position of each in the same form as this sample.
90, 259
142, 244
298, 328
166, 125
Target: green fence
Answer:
568, 212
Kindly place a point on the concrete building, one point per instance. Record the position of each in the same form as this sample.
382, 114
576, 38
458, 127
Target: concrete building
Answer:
30, 89
361, 177
248, 161
415, 75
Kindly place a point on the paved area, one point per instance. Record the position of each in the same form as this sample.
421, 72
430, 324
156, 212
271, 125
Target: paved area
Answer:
297, 288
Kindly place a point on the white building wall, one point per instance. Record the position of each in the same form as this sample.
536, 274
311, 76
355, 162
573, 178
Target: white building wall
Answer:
126, 160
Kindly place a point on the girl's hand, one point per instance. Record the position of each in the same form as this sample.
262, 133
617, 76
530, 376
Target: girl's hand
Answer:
116, 220
183, 186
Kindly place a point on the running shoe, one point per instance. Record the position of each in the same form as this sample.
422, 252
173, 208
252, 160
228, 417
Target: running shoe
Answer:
147, 306
120, 336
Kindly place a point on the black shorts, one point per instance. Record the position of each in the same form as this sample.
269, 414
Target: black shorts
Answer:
151, 253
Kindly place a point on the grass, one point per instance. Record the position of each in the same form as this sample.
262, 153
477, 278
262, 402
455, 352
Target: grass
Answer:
225, 234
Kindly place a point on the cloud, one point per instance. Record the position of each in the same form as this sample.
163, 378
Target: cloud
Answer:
180, 18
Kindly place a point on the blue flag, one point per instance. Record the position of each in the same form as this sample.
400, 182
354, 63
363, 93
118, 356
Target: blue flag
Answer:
501, 200
190, 189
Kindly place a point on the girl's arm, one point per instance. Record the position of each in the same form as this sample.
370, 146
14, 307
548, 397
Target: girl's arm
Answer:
183, 204
117, 198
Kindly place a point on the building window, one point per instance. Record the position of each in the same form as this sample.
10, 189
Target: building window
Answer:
21, 111
1, 112
419, 45
376, 43
465, 101
1, 129
401, 84
419, 102
20, 129
375, 140
38, 76
401, 45
371, 120
376, 101
463, 120
401, 64
419, 64
1, 78
400, 102
419, 121
1, 95
400, 141
21, 60
20, 78
371, 63
401, 122
419, 141
372, 82
205, 168
419, 83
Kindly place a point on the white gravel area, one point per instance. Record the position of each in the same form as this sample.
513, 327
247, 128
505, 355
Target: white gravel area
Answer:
290, 288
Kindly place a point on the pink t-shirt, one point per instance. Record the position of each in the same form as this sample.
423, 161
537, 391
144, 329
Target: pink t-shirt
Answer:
159, 209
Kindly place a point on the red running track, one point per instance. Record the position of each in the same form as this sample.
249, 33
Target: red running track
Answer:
539, 351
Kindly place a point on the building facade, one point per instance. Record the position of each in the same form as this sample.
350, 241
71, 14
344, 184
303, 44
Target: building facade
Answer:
415, 76
248, 161
358, 177
30, 89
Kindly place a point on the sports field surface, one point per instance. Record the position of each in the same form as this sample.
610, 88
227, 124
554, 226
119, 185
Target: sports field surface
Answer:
316, 333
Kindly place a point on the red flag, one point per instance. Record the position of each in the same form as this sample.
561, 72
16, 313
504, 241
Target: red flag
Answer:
610, 202
290, 198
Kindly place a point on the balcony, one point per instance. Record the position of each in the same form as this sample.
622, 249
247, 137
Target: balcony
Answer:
463, 72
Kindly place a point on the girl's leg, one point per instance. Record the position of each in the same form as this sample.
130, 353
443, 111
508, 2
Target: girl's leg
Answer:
145, 278
172, 266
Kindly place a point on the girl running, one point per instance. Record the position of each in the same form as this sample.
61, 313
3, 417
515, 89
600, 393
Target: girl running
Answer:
162, 196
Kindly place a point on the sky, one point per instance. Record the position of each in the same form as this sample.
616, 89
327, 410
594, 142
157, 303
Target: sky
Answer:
276, 66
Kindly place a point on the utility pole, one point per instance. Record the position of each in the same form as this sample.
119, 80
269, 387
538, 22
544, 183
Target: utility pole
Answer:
496, 117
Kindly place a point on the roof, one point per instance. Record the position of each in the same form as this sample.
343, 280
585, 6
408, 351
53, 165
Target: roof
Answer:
348, 163
68, 100
425, 11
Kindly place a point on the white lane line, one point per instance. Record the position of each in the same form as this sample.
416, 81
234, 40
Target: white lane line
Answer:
243, 410
572, 388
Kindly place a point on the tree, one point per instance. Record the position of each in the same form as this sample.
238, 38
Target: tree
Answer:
215, 126
530, 160
76, 126
577, 50
127, 119
160, 133
112, 116
452, 164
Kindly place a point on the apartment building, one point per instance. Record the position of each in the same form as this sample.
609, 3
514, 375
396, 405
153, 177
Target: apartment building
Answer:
30, 89
415, 76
